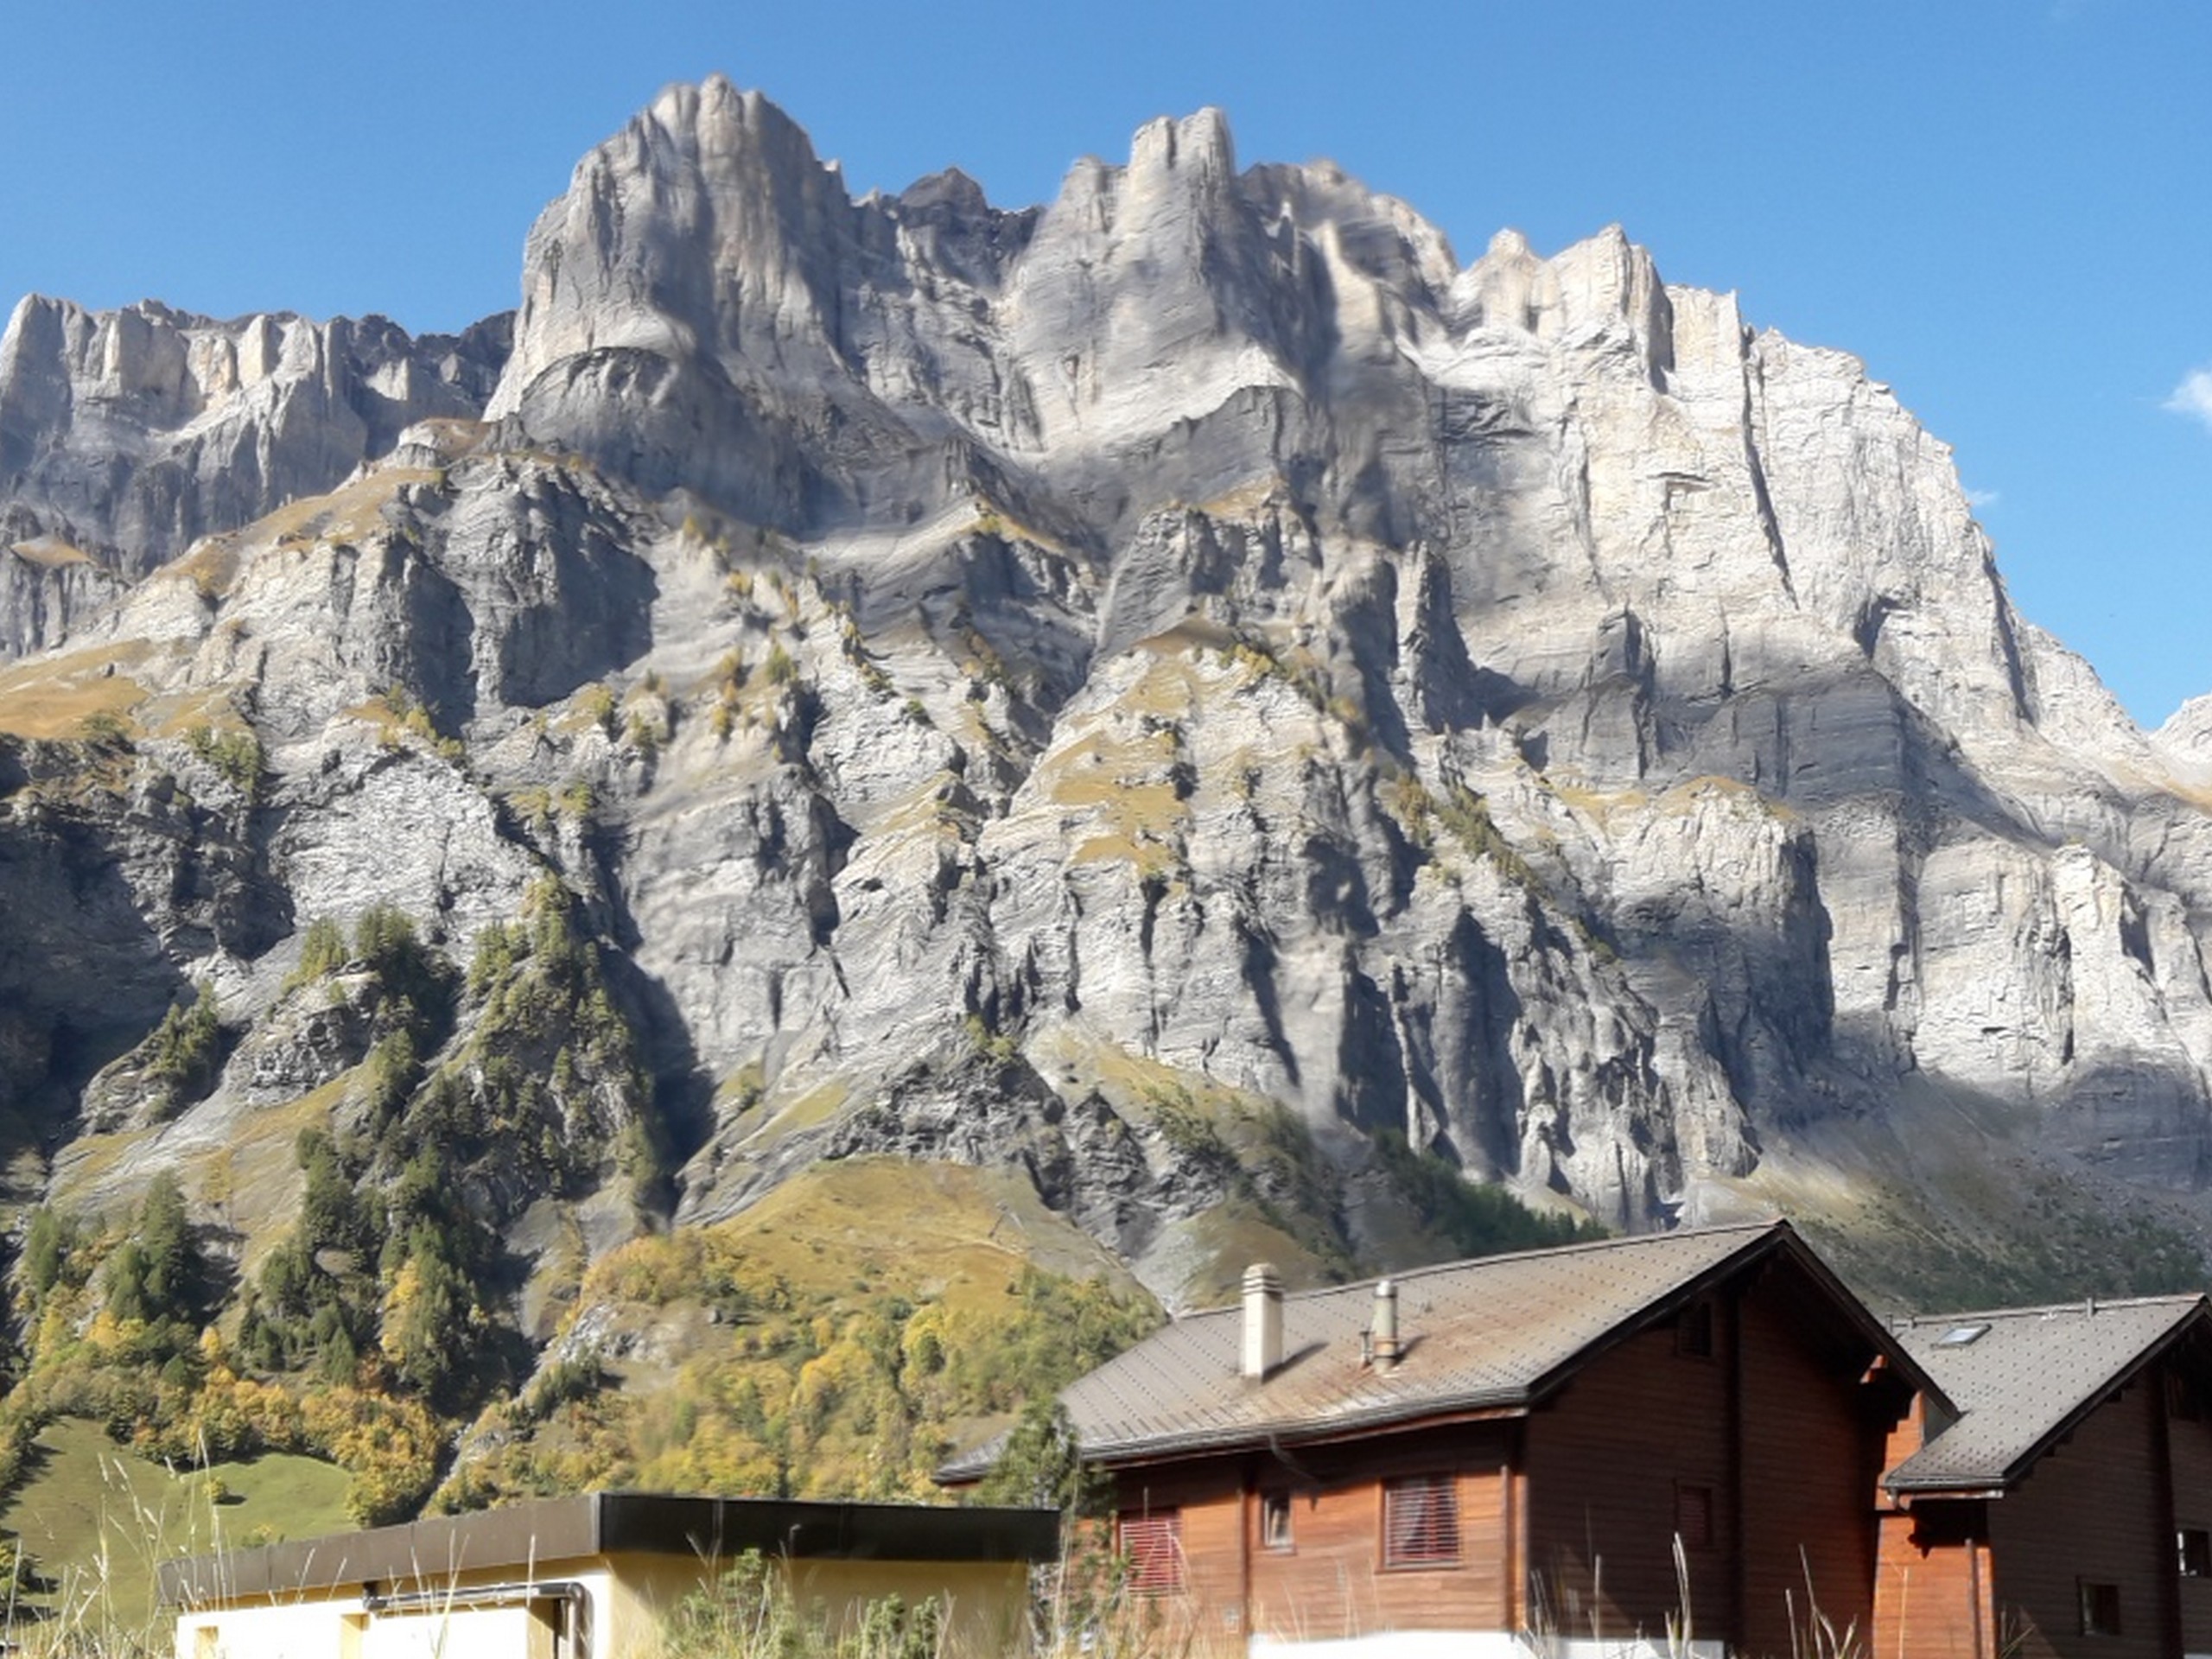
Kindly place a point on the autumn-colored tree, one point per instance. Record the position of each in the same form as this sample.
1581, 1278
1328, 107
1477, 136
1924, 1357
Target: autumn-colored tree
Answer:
426, 1309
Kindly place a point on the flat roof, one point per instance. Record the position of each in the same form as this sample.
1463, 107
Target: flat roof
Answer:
528, 1537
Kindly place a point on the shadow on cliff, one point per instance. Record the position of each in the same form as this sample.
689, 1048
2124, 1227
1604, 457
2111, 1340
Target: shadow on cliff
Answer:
682, 1093
1947, 1196
84, 975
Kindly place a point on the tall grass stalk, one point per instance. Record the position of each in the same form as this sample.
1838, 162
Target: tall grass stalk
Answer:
1680, 1621
1818, 1637
748, 1612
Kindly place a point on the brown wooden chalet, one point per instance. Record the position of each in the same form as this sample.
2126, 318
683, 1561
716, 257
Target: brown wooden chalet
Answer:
2068, 1510
1683, 1433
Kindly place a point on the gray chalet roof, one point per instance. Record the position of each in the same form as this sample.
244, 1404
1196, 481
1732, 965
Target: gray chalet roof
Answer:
2024, 1378
1493, 1334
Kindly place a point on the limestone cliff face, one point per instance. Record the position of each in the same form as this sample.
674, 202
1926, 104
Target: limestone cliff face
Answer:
126, 435
1003, 683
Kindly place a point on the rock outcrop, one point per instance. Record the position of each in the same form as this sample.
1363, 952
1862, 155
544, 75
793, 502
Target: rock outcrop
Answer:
127, 436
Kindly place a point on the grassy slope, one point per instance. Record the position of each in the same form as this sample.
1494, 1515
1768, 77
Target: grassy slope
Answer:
840, 1262
933, 1229
98, 1519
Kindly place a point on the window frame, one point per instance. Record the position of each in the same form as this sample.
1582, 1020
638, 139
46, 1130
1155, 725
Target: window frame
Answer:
1695, 1331
2184, 1404
2098, 1602
1439, 1495
1277, 1532
2193, 1551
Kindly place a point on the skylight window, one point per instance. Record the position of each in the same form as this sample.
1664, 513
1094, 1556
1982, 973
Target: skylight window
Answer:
1960, 1335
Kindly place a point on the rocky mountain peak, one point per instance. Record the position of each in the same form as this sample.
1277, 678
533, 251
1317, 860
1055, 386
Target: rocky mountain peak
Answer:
1197, 148
707, 228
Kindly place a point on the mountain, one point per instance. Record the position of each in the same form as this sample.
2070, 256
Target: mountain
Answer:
1186, 706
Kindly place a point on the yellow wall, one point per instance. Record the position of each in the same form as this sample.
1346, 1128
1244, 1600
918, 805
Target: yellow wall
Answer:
987, 1601
629, 1595
334, 1625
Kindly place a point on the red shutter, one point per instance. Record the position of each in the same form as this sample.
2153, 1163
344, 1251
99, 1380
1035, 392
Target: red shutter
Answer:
1152, 1545
1420, 1521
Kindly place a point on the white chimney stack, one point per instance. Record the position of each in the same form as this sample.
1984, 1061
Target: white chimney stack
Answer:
1382, 1330
1262, 1321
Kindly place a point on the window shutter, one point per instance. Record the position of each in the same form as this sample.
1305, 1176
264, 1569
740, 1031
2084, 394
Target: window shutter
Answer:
1694, 1515
1420, 1521
1153, 1546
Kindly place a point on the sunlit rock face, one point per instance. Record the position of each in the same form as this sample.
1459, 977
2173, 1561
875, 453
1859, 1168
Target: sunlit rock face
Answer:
989, 673
126, 435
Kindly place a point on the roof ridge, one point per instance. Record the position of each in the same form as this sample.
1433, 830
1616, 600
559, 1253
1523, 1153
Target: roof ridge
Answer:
2086, 1306
1582, 1247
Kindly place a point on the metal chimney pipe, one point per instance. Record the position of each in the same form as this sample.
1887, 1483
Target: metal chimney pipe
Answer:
1382, 1329
1262, 1321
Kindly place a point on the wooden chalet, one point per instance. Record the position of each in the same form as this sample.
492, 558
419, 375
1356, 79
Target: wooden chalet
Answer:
2068, 1510
1677, 1439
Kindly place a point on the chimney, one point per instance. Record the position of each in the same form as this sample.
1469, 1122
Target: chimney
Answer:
1382, 1329
1262, 1321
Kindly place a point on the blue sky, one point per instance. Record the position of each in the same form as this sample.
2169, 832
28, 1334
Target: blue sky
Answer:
2005, 208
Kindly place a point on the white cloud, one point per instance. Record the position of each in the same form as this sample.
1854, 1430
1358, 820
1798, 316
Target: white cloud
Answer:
2194, 396
1979, 499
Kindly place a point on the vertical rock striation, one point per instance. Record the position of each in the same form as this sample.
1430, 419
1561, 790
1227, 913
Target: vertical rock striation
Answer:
126, 435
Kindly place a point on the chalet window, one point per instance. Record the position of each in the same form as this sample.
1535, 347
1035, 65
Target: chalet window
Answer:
1694, 1515
2195, 1545
2182, 1403
1152, 1543
1420, 1521
1693, 1332
2099, 1608
1274, 1520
